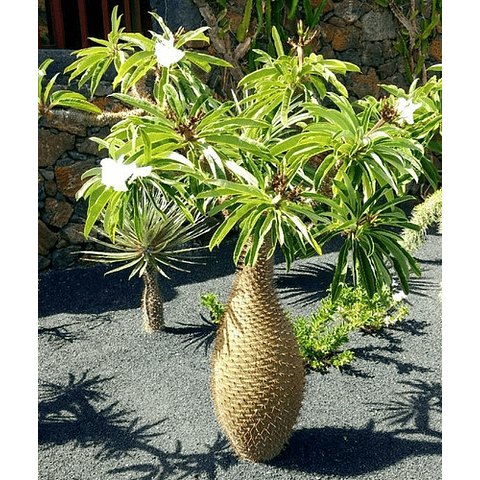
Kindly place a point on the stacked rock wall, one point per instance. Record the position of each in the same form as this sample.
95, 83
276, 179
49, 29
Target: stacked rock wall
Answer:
65, 152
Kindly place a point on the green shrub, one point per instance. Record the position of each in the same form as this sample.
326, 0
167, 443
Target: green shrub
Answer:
322, 335
215, 307
424, 215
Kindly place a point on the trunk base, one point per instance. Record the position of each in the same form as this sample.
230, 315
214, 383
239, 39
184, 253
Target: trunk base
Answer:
152, 303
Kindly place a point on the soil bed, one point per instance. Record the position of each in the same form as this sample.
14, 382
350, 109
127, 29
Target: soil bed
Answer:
118, 403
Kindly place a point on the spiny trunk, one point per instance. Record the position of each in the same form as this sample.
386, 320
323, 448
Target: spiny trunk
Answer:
152, 302
257, 380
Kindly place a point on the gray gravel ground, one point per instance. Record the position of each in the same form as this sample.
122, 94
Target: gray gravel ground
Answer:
117, 403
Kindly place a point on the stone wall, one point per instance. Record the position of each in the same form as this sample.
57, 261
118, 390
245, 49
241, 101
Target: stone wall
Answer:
357, 31
65, 152
364, 33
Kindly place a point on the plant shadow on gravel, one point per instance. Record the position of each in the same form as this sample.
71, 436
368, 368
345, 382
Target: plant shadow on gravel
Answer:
79, 411
197, 336
349, 452
73, 331
88, 290
389, 352
423, 287
305, 284
71, 412
412, 410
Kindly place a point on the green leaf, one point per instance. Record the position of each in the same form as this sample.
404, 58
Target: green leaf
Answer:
98, 73
331, 115
233, 122
248, 145
193, 35
147, 147
402, 261
241, 172
277, 42
91, 184
231, 188
253, 226
132, 77
319, 86
159, 87
95, 207
112, 211
228, 224
288, 143
48, 89
86, 64
257, 76
323, 169
134, 60
430, 171
340, 270
382, 273
302, 229
204, 61
139, 40
362, 263
66, 98
285, 107
242, 240
139, 103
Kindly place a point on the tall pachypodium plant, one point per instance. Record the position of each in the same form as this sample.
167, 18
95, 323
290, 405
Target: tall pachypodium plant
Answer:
153, 237
251, 160
257, 379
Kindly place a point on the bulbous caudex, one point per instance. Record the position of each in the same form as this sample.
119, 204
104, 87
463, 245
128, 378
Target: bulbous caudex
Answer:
258, 378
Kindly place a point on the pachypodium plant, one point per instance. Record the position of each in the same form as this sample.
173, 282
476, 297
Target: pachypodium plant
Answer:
133, 56
48, 99
287, 78
419, 116
425, 215
155, 236
250, 160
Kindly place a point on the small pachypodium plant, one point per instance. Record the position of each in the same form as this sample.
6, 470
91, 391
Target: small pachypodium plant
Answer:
154, 236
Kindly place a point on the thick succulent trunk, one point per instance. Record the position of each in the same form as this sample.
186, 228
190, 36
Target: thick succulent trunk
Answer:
257, 380
152, 302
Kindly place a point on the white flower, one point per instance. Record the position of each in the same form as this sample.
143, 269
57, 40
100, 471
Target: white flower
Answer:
405, 109
116, 173
399, 296
166, 53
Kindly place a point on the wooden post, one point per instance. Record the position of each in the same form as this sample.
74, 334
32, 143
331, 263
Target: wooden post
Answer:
106, 19
82, 13
58, 23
